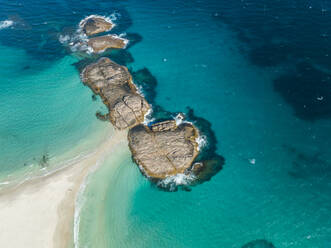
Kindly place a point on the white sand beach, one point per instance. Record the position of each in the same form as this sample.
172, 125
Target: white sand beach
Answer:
39, 213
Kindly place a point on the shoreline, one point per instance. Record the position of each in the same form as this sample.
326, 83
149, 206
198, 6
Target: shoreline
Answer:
41, 210
84, 148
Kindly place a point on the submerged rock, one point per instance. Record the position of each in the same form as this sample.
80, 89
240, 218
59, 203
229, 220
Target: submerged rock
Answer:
102, 43
113, 83
164, 149
259, 243
95, 24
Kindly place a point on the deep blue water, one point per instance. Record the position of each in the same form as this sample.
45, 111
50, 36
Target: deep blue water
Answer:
258, 73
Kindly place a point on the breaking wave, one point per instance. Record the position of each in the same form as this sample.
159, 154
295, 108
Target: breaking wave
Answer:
171, 183
148, 117
202, 141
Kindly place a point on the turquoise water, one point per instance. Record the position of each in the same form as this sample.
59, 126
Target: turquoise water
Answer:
39, 117
238, 65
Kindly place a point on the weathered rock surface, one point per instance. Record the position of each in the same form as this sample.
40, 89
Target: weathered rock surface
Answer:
164, 149
114, 84
95, 24
102, 43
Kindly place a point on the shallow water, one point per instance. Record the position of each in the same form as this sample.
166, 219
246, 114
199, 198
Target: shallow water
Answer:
227, 62
45, 112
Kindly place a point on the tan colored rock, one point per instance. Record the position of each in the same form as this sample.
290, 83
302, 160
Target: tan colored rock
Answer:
102, 43
114, 84
95, 24
164, 149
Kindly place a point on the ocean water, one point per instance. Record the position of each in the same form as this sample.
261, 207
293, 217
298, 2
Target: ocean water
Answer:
257, 72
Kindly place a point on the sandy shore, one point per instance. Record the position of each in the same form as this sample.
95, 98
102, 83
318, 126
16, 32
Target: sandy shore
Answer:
39, 213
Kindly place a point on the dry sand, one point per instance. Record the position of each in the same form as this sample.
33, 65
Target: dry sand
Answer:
39, 213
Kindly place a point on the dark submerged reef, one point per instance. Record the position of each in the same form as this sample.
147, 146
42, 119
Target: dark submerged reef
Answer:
259, 243
285, 25
286, 33
212, 162
307, 90
308, 165
133, 38
143, 78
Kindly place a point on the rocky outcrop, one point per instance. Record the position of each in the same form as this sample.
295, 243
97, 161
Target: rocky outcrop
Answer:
114, 85
161, 150
164, 149
95, 24
102, 43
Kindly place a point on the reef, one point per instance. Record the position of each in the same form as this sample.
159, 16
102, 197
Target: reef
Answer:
307, 90
259, 243
165, 148
102, 43
113, 83
95, 24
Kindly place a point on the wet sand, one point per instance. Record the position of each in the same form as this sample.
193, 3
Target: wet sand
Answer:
40, 212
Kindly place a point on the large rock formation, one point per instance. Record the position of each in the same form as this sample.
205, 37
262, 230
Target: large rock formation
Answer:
114, 85
164, 149
101, 43
95, 24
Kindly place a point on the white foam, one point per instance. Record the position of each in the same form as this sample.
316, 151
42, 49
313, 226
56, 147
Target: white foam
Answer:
252, 160
114, 16
6, 24
64, 38
172, 182
180, 119
77, 42
148, 117
202, 141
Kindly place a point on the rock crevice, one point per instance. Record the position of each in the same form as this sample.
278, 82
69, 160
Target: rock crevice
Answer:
113, 83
